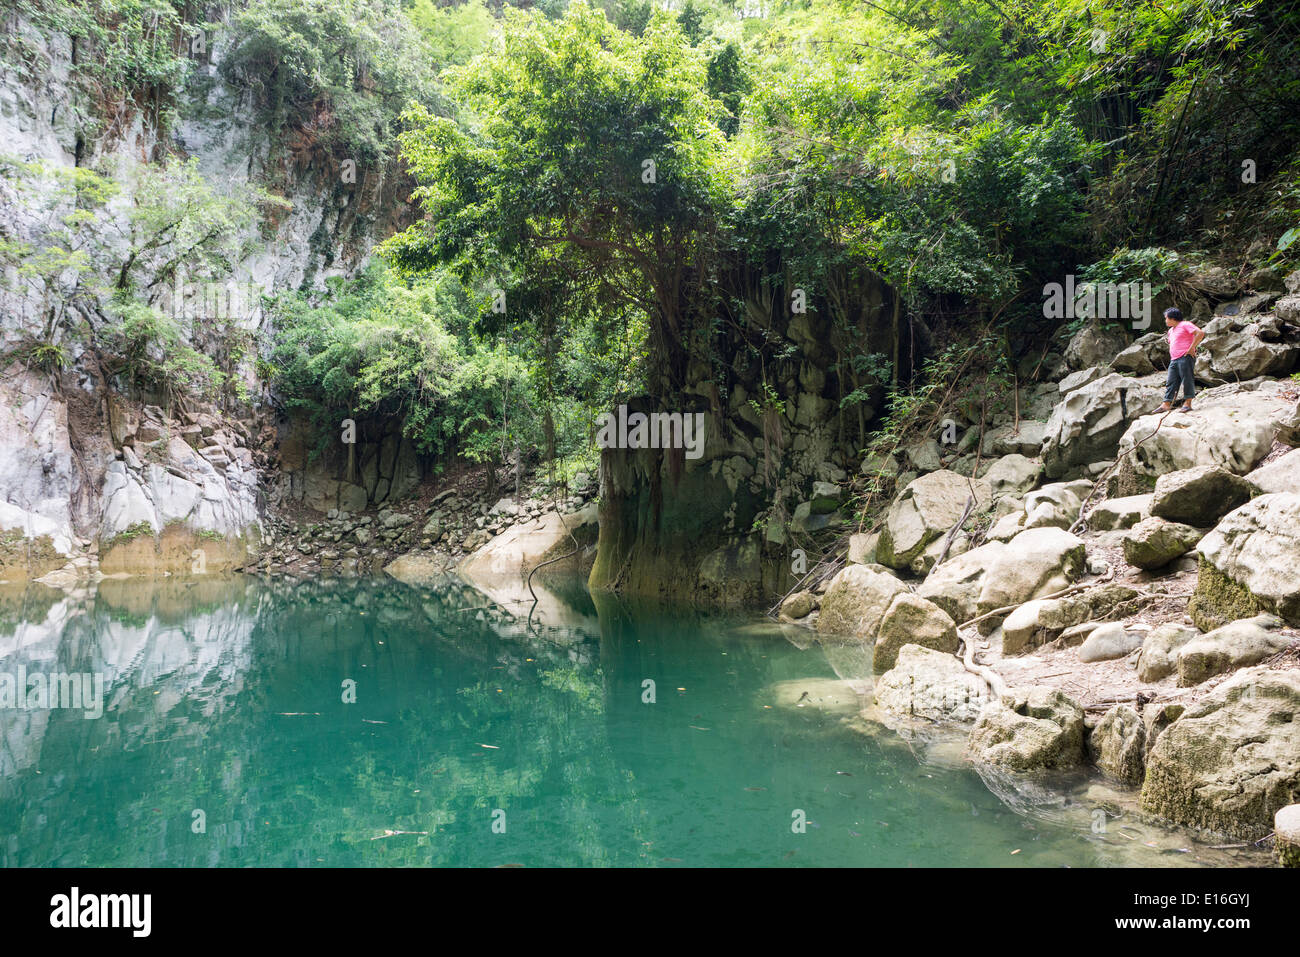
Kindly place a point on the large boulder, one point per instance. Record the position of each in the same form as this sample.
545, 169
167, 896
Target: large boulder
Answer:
1154, 542
1280, 475
1118, 744
1159, 657
1028, 730
911, 619
856, 602
1237, 644
924, 512
1094, 344
1012, 474
1249, 563
1056, 505
1198, 496
1025, 439
1288, 426
1238, 347
1233, 427
1118, 513
1232, 759
1087, 424
1033, 564
930, 684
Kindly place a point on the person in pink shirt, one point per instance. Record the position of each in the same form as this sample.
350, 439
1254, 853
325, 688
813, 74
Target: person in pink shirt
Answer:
1184, 337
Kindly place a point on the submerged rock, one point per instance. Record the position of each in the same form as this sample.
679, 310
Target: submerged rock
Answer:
1232, 759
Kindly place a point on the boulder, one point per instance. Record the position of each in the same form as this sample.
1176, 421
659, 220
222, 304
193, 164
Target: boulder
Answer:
1094, 344
1118, 513
1037, 622
1232, 427
1280, 475
1081, 378
925, 511
995, 575
1007, 527
1035, 563
1118, 745
1237, 644
1056, 505
862, 548
1159, 657
1238, 347
1012, 474
1288, 426
1088, 423
955, 585
1154, 542
826, 498
1198, 496
923, 456
1109, 641
1233, 759
1027, 439
1249, 562
930, 684
1028, 730
911, 619
799, 605
856, 602
1134, 360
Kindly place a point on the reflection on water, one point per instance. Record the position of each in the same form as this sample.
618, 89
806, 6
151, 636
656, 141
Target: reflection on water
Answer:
627, 735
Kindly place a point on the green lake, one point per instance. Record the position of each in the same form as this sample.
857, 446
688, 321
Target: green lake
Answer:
477, 740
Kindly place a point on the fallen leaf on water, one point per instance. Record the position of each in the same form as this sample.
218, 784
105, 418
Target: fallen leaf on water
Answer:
698, 728
671, 860
1016, 851
494, 747
389, 833
373, 721
847, 774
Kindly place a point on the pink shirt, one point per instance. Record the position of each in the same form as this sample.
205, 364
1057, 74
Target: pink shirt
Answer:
1181, 337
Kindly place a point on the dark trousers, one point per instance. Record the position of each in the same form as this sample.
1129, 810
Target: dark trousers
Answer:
1180, 374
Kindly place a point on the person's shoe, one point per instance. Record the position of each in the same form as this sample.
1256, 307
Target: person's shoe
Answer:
1165, 407
1184, 408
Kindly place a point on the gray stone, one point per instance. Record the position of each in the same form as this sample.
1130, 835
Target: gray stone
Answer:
1198, 496
1159, 657
1118, 745
1154, 542
932, 685
1232, 759
911, 619
1109, 641
1237, 644
1028, 730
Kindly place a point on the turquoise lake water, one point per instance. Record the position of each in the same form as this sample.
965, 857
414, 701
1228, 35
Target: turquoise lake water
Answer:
475, 741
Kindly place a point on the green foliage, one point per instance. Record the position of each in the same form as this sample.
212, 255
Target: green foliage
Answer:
151, 350
333, 73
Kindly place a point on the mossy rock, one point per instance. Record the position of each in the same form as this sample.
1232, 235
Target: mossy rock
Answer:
1218, 599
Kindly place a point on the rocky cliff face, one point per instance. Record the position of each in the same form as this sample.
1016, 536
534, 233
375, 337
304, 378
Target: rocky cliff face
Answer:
91, 472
